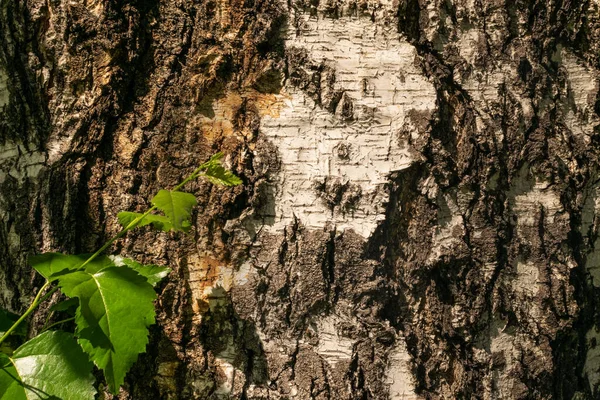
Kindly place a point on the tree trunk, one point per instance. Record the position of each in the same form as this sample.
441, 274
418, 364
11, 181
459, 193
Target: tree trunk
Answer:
420, 214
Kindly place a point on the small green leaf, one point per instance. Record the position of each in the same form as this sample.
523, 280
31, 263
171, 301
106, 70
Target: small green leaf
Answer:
66, 305
214, 160
177, 206
159, 222
49, 366
116, 308
153, 273
51, 265
218, 175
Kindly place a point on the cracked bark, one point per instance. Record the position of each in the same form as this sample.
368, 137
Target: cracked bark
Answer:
421, 204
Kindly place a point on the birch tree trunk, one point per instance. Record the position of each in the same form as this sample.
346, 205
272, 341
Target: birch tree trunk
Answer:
420, 214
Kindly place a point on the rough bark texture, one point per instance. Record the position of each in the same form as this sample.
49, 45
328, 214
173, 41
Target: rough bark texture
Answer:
420, 213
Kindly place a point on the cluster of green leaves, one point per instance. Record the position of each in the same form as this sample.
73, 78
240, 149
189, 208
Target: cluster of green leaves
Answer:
111, 300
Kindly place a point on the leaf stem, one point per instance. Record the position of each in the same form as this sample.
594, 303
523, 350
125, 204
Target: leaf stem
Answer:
50, 293
191, 177
119, 235
133, 223
36, 302
57, 323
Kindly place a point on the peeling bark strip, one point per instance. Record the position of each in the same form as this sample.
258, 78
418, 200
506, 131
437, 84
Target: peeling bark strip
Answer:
421, 207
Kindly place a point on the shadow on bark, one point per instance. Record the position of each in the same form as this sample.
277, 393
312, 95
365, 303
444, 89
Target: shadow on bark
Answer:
233, 339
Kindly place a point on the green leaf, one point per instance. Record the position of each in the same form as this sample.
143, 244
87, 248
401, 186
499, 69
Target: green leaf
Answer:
159, 222
115, 310
49, 366
218, 175
10, 382
51, 265
7, 319
153, 273
177, 206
